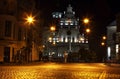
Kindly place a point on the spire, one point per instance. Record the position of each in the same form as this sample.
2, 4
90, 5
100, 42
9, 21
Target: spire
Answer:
69, 9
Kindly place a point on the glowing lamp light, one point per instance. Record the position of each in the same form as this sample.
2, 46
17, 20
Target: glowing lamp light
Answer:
30, 19
81, 39
102, 43
88, 30
52, 28
86, 20
104, 37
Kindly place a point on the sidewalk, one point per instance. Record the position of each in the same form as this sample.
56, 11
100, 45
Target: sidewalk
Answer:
112, 64
21, 64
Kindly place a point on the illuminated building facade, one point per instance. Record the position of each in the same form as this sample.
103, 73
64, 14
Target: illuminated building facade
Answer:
67, 36
111, 41
118, 37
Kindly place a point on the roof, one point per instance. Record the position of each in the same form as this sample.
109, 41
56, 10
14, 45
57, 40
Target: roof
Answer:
112, 23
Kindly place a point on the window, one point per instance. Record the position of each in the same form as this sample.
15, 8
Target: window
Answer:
61, 23
53, 16
71, 23
60, 15
66, 23
19, 34
14, 31
8, 28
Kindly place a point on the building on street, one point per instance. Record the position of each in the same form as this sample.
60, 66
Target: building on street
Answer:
66, 37
13, 40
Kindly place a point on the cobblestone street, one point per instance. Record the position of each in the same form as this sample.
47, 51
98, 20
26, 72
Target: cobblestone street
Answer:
60, 71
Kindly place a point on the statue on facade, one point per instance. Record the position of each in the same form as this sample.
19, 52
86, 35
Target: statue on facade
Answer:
69, 8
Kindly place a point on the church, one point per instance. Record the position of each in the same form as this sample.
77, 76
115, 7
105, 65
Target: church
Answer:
66, 38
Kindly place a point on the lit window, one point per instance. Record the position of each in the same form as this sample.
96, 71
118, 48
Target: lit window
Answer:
86, 41
75, 40
66, 40
53, 16
81, 39
54, 39
108, 52
60, 15
56, 16
57, 39
61, 39
53, 53
49, 53
50, 39
59, 54
117, 48
71, 39
61, 23
54, 42
74, 13
71, 23
66, 23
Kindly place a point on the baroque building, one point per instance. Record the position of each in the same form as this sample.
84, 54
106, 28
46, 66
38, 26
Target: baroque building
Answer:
66, 38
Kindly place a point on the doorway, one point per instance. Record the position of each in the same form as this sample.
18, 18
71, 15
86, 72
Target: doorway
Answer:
7, 54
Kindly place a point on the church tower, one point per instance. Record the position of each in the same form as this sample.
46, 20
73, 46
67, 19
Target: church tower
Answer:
67, 37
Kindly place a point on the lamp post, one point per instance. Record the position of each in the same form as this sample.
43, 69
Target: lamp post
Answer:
86, 22
52, 40
105, 49
103, 40
29, 37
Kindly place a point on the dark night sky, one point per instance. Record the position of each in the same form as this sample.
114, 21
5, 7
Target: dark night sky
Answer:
101, 13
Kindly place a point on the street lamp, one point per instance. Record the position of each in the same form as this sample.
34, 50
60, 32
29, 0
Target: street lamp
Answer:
104, 40
86, 20
52, 28
30, 19
29, 36
102, 43
104, 37
88, 30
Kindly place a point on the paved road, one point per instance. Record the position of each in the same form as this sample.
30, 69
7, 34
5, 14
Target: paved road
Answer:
61, 71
